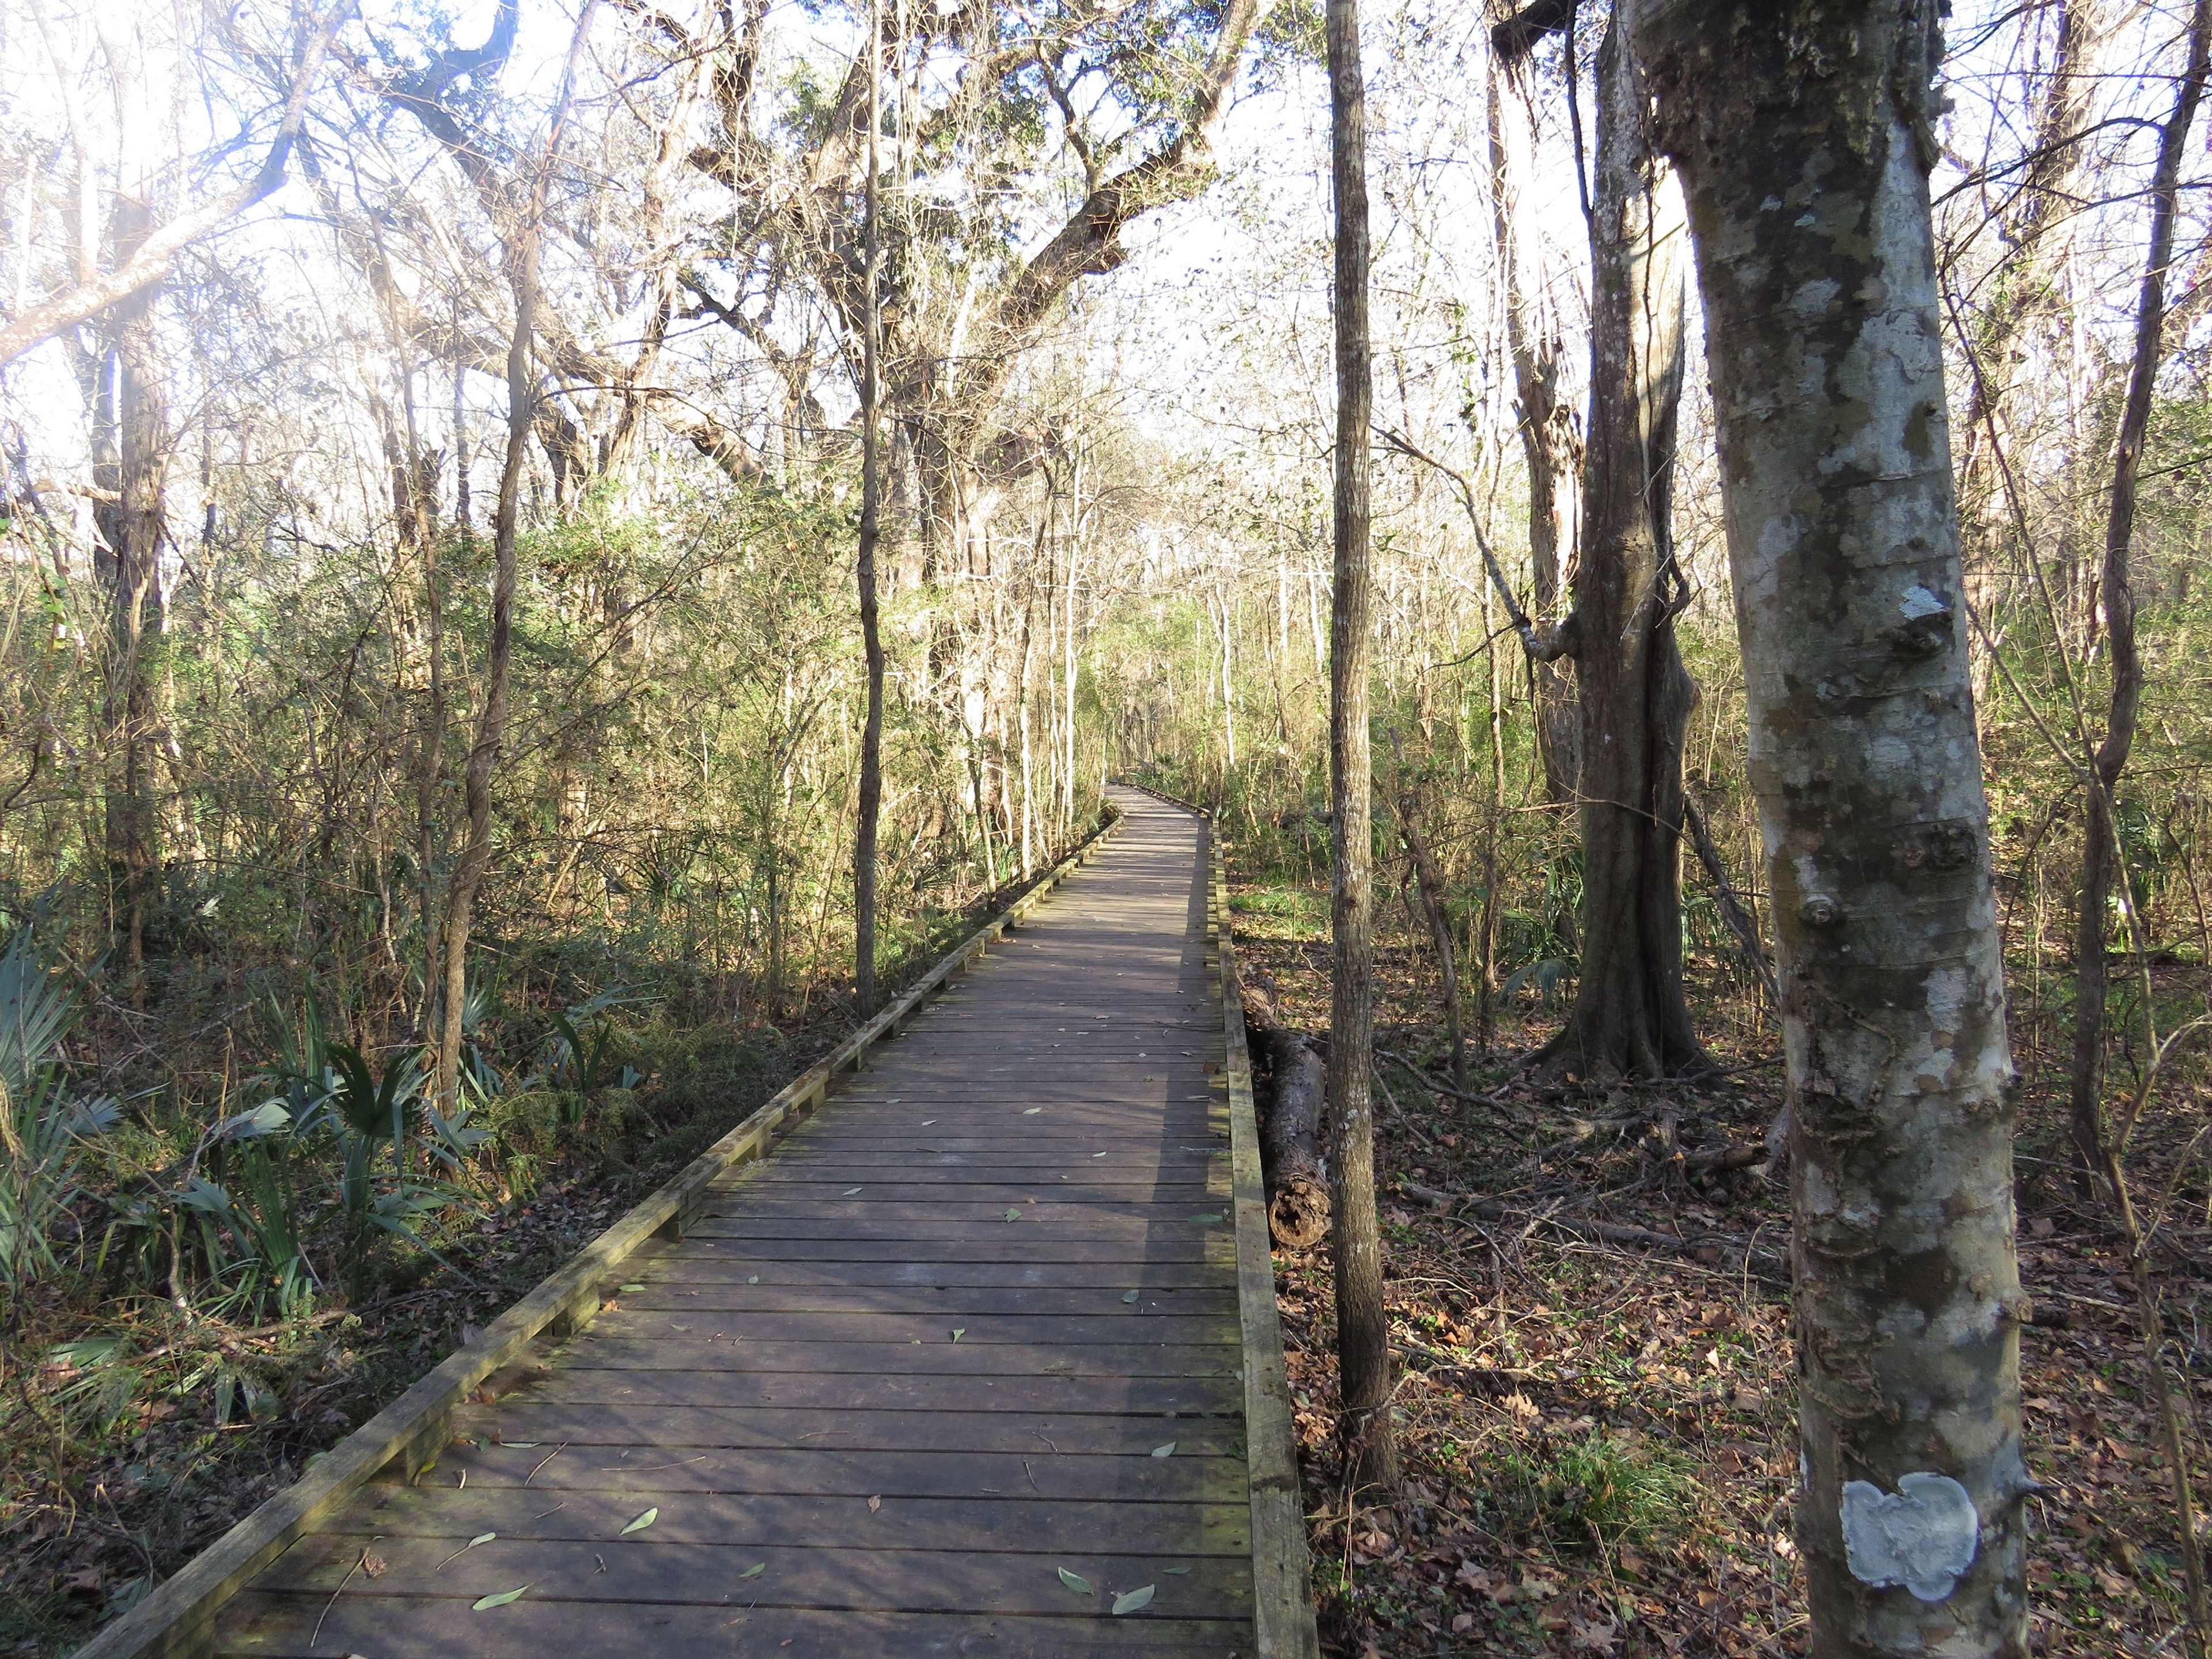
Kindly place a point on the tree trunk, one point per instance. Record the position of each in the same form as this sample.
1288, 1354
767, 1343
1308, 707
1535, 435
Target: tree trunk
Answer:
1804, 137
491, 716
130, 519
1629, 1017
1362, 1330
2101, 861
1431, 882
1549, 448
871, 636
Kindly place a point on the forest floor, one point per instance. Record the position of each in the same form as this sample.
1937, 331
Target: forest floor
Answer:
1596, 1410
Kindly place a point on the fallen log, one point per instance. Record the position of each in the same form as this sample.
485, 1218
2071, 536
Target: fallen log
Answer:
1291, 1158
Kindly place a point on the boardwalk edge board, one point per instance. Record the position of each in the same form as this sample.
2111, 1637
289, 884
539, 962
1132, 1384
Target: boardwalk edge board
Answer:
176, 1618
1282, 1581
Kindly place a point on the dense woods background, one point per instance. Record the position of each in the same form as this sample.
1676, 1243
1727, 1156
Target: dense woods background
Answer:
579, 296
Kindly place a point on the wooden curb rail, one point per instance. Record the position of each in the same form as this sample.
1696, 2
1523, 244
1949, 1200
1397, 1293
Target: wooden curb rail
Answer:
1282, 1573
177, 1618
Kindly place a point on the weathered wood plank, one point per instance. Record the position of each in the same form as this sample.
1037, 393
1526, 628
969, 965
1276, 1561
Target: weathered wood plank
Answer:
833, 1391
1069, 1417
704, 1266
1034, 1526
643, 1570
660, 1292
279, 1626
557, 1471
945, 1358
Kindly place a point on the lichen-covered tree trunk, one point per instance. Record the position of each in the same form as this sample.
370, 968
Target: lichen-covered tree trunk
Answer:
1629, 1017
1802, 133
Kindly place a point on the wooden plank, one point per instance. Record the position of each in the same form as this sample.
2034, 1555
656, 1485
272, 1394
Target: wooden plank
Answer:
1034, 1526
835, 1391
842, 1325
1036, 1244
740, 1297
972, 1224
704, 1266
177, 1616
643, 1570
885, 1474
951, 1170
1113, 1429
945, 1358
279, 1626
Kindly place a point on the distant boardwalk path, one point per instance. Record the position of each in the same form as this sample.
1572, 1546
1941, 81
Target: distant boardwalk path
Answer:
971, 1333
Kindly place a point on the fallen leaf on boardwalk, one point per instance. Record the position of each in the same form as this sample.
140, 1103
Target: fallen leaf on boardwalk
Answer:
640, 1523
1076, 1582
627, 1288
521, 1445
674, 1326
1129, 1296
1013, 1215
848, 1192
374, 1566
483, 1603
959, 1331
752, 1278
874, 1504
1031, 1111
480, 1538
1134, 1600
754, 1571
1173, 1571
1167, 1450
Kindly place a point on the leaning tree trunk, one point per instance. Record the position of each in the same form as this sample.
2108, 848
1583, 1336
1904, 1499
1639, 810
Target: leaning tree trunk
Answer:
1363, 1329
1630, 1016
1803, 133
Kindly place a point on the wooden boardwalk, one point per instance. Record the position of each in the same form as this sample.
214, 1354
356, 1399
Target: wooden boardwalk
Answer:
955, 1371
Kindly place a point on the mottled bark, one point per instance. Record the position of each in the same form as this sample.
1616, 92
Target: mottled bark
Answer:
1630, 1017
1362, 1330
1802, 133
2099, 844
